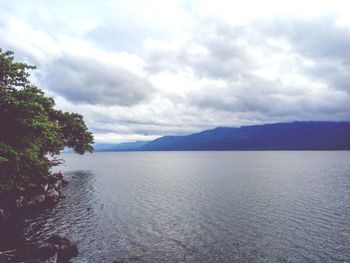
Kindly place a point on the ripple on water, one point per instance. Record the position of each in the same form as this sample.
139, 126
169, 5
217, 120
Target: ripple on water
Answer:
204, 207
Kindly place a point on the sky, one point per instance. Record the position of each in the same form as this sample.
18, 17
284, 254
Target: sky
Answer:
138, 70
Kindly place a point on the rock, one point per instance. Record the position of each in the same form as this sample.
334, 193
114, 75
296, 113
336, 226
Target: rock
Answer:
36, 200
59, 175
66, 249
44, 252
64, 182
52, 196
66, 252
52, 179
57, 185
2, 215
54, 182
55, 240
33, 190
44, 187
19, 201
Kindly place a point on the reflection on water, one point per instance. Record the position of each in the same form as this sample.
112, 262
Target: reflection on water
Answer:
203, 207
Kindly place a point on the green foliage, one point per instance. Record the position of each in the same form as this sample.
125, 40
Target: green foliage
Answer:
31, 128
13, 74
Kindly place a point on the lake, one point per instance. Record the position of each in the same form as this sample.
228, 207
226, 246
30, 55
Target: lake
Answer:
203, 207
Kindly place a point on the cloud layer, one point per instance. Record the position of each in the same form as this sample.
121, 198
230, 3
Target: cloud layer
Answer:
142, 69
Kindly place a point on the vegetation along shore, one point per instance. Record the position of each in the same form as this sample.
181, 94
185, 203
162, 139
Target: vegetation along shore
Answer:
32, 135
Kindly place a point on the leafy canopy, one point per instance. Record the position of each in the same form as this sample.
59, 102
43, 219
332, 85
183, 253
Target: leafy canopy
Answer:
31, 128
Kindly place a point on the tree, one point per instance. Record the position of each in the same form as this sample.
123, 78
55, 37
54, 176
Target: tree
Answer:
13, 74
32, 130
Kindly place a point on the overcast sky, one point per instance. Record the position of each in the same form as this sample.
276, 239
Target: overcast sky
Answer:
138, 70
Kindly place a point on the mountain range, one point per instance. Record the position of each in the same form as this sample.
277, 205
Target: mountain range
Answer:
125, 146
278, 136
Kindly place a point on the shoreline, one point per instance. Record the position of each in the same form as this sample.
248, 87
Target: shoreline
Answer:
16, 207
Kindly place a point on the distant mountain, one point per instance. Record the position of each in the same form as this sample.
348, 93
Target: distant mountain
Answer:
125, 146
279, 136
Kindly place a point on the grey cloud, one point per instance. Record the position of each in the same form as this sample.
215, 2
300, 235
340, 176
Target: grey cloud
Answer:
87, 80
229, 59
315, 38
250, 94
158, 128
226, 56
256, 96
320, 40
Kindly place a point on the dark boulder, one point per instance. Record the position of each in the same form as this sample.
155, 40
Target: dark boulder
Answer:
52, 196
64, 182
36, 200
55, 240
33, 190
54, 182
58, 184
43, 252
66, 249
44, 187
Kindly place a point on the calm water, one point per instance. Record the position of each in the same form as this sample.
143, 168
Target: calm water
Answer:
204, 207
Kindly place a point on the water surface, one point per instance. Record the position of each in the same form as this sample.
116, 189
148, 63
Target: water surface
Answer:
204, 207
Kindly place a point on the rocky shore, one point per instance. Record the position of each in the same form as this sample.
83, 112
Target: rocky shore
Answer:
15, 206
33, 199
